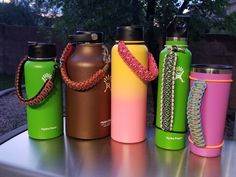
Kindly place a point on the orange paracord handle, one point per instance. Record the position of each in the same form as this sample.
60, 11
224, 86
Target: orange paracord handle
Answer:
43, 92
83, 85
210, 80
208, 147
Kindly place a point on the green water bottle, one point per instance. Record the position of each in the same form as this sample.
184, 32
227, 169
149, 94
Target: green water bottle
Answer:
173, 86
43, 91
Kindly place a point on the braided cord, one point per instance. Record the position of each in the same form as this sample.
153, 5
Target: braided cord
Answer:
143, 73
193, 112
44, 91
90, 82
167, 90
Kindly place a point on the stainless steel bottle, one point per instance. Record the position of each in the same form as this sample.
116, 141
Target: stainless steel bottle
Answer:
173, 87
86, 72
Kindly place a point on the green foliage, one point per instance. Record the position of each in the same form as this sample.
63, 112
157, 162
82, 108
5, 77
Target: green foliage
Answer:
16, 15
205, 15
228, 24
100, 15
67, 16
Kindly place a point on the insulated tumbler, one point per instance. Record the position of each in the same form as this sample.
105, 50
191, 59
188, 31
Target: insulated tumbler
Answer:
43, 90
207, 108
85, 69
132, 66
173, 87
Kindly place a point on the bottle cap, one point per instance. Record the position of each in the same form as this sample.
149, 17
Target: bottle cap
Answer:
41, 51
86, 36
130, 33
178, 28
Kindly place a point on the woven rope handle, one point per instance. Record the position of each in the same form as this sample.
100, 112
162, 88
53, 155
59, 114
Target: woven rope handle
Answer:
83, 85
143, 73
168, 90
193, 112
42, 93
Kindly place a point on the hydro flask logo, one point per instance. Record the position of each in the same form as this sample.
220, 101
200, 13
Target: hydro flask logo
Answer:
46, 76
105, 123
107, 81
179, 73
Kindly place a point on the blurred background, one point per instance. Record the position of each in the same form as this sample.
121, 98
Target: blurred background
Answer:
212, 37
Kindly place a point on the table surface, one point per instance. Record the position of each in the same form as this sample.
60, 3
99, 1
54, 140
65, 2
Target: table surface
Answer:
63, 156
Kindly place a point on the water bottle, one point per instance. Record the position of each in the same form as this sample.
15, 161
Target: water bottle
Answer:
207, 108
85, 69
132, 67
43, 91
173, 87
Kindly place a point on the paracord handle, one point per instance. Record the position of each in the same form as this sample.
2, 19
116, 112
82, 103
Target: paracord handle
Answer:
143, 73
43, 92
193, 112
84, 85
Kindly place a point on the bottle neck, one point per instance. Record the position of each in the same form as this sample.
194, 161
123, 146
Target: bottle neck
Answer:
89, 49
131, 42
181, 42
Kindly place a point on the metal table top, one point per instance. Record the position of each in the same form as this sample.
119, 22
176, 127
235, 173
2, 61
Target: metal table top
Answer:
62, 156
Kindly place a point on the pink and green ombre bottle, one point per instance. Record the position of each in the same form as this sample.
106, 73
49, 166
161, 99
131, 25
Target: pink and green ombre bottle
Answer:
173, 87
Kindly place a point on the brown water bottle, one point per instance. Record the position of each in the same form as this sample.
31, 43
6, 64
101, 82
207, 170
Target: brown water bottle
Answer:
85, 68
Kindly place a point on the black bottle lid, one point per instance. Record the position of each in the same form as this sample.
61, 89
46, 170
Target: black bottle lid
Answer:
130, 33
86, 36
178, 28
41, 51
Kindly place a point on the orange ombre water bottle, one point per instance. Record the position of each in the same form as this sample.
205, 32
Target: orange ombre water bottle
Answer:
132, 66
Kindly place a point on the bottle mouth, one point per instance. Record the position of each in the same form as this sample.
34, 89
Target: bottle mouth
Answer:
42, 59
131, 42
212, 68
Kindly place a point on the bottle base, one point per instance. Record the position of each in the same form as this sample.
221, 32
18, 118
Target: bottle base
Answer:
170, 140
44, 137
128, 142
204, 152
87, 137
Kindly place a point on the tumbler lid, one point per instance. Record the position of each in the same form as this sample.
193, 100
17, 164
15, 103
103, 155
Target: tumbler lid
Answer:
212, 68
130, 33
41, 51
86, 36
178, 28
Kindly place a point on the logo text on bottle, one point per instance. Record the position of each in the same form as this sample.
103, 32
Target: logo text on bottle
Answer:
105, 123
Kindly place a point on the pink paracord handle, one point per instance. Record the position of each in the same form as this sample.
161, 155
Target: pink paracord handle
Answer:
143, 73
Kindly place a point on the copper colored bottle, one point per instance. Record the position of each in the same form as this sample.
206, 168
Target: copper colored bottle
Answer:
88, 109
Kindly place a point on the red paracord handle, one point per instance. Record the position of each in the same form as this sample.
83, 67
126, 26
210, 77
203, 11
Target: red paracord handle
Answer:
84, 85
42, 93
143, 73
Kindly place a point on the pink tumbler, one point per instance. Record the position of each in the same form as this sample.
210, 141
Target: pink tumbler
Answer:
207, 108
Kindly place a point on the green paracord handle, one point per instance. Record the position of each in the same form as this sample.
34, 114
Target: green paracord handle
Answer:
193, 112
168, 88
